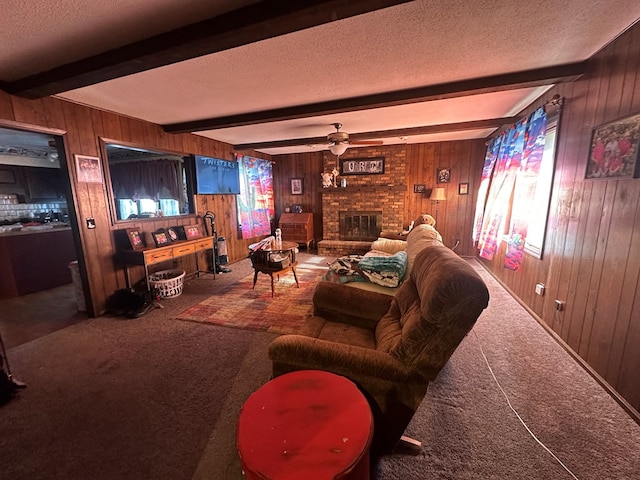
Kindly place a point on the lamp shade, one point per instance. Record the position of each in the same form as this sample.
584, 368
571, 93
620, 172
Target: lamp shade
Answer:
438, 194
338, 148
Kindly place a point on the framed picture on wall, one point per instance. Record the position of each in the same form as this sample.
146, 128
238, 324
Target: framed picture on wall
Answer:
613, 152
88, 169
419, 188
443, 175
296, 186
463, 189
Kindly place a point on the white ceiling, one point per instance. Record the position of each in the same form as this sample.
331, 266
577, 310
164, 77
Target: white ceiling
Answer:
407, 46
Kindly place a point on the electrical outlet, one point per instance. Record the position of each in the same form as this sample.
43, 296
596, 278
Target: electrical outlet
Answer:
540, 289
559, 305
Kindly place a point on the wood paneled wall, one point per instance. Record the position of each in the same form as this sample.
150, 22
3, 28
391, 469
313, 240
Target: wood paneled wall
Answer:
591, 258
81, 128
455, 215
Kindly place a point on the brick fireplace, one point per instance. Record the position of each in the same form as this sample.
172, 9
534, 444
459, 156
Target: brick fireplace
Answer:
380, 195
385, 204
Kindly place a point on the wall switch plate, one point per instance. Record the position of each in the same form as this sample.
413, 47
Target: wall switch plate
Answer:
540, 289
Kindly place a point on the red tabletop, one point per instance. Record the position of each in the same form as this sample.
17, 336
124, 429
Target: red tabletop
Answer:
307, 424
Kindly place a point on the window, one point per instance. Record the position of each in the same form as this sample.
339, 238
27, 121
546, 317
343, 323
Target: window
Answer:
518, 178
534, 242
147, 183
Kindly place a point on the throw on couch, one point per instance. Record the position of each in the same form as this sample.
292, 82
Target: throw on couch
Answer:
391, 347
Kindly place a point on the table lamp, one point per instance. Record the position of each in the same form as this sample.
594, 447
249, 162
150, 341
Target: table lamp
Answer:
438, 195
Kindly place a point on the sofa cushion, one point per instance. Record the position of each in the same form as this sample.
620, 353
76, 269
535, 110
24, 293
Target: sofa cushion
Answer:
318, 327
389, 245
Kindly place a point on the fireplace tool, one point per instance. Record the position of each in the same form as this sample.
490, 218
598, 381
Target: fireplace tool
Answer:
219, 243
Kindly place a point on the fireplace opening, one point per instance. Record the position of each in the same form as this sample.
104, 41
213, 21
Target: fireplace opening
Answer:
360, 226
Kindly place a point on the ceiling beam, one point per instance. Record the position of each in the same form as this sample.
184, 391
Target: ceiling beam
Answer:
400, 132
259, 21
496, 83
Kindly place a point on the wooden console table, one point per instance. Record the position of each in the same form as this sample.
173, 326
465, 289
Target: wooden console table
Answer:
151, 256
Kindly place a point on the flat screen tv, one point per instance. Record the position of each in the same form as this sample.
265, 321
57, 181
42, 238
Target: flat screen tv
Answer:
216, 176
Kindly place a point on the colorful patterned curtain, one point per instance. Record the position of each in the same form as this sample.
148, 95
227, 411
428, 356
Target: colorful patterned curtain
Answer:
499, 196
255, 202
524, 196
487, 170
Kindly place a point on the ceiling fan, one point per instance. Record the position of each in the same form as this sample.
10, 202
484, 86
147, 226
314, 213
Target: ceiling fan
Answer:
339, 141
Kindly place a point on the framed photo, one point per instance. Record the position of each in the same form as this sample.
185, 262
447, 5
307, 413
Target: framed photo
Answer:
173, 234
463, 189
419, 188
362, 166
160, 237
135, 238
613, 152
192, 232
444, 175
88, 169
296, 186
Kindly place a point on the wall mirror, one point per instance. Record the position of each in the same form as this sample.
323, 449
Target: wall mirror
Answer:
147, 183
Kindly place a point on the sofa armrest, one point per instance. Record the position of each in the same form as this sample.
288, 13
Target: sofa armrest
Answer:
339, 303
299, 352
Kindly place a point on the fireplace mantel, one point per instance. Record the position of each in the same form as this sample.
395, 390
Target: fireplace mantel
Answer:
365, 189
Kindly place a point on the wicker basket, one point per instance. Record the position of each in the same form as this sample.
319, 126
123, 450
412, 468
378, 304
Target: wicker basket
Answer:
167, 283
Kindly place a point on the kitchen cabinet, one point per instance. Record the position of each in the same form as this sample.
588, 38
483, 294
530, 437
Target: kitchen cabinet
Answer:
45, 184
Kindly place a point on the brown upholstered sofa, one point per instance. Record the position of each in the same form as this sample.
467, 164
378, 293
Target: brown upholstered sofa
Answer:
390, 346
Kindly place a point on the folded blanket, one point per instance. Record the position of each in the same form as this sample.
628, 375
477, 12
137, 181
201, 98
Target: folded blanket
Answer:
387, 271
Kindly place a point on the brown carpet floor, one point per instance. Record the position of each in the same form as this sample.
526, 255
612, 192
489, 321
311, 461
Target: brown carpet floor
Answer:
156, 398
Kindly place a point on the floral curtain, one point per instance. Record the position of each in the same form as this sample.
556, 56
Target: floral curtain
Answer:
499, 196
255, 203
483, 189
524, 204
507, 189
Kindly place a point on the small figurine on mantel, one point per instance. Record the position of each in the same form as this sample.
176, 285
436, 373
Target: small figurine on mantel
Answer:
326, 179
335, 173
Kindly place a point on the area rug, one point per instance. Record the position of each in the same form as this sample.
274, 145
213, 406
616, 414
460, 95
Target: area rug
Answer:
241, 306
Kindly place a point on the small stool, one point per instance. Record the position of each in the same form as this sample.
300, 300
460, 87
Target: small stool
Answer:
308, 424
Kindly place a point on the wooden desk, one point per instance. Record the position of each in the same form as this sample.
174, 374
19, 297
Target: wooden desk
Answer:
297, 227
151, 256
307, 424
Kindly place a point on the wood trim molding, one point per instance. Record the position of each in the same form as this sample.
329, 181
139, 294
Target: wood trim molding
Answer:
259, 21
496, 83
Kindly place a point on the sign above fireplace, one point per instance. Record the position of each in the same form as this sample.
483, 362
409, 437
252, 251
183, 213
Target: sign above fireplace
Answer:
362, 166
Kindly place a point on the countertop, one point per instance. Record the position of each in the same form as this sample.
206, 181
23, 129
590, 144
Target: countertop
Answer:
15, 230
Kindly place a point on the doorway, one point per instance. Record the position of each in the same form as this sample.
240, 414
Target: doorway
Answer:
39, 236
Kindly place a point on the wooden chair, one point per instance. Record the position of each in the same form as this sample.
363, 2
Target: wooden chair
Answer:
273, 262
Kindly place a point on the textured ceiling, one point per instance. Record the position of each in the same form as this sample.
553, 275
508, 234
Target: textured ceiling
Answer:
412, 45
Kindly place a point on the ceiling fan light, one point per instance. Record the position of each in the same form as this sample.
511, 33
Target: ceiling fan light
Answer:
338, 148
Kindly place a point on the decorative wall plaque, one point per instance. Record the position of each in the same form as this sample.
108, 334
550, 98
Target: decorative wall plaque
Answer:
362, 166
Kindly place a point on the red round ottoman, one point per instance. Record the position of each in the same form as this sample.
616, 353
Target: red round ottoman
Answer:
308, 424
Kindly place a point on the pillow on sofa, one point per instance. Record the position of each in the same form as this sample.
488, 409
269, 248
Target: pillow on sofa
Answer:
387, 271
388, 245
